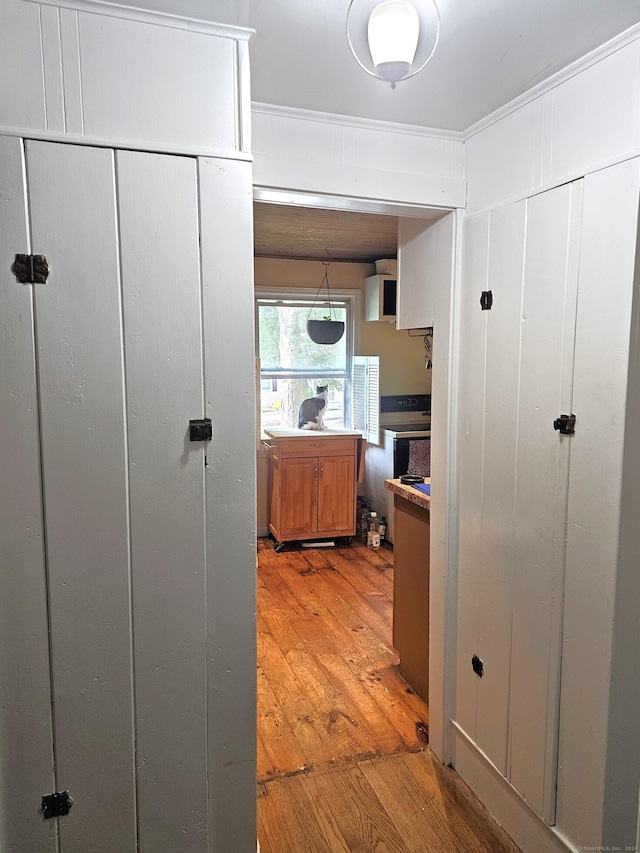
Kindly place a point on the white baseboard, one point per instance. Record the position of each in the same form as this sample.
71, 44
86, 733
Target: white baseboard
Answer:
504, 803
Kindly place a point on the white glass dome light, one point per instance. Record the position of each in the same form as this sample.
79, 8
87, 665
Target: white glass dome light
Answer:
393, 31
393, 39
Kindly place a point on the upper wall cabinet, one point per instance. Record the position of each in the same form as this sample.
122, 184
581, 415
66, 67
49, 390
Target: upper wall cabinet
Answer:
380, 297
122, 76
425, 262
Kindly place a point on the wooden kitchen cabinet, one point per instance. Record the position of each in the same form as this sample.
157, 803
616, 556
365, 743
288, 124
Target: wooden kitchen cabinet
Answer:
411, 584
312, 484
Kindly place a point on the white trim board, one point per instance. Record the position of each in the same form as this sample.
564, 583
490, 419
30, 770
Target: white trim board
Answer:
160, 19
503, 802
351, 121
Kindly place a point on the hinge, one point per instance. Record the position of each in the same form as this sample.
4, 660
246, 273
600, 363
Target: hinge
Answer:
565, 424
200, 429
31, 269
486, 300
55, 805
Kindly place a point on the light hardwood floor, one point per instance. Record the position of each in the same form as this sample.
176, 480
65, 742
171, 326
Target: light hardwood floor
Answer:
342, 758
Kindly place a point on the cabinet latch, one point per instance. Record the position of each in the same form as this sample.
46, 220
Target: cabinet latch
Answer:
200, 429
55, 805
486, 300
565, 424
30, 269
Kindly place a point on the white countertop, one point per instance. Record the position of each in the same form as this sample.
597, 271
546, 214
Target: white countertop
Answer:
290, 432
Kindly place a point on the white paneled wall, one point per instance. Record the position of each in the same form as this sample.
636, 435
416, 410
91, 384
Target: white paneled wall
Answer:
95, 73
581, 124
306, 152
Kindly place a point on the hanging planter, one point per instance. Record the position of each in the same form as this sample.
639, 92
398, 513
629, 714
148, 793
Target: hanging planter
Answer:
325, 331
328, 330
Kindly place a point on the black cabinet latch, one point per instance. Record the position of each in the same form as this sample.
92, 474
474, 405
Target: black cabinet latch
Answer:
486, 300
477, 665
565, 424
30, 269
55, 805
200, 429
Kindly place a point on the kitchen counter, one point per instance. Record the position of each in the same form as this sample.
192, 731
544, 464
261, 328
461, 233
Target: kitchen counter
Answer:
291, 432
411, 584
409, 493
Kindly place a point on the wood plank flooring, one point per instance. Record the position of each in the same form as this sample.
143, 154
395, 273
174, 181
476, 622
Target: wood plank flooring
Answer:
342, 757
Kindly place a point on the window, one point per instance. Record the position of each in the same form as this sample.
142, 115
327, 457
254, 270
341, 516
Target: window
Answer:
292, 365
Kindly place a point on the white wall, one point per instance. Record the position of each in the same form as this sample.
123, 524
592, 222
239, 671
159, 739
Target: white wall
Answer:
583, 123
579, 123
61, 79
296, 150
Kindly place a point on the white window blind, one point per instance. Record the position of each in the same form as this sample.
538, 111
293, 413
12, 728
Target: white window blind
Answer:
366, 397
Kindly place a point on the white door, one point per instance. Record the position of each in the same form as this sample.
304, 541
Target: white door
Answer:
103, 591
516, 379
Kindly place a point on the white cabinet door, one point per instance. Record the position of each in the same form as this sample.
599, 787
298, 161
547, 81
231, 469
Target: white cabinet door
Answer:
26, 766
79, 342
425, 262
163, 348
516, 364
104, 606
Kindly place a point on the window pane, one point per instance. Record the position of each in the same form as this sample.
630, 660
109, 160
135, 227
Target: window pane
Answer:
280, 405
285, 344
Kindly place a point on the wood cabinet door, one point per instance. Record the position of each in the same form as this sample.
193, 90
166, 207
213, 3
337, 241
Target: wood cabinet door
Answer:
335, 494
298, 496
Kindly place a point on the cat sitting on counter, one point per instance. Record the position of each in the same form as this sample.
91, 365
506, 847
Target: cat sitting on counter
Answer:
311, 411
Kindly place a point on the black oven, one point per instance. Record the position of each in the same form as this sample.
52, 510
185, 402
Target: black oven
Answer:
412, 456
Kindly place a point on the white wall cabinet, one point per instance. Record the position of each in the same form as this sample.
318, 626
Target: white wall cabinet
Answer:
107, 558
425, 263
380, 297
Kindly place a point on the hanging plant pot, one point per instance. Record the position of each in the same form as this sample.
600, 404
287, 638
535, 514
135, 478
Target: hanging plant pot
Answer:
325, 331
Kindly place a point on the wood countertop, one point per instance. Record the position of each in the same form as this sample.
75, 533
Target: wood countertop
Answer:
409, 493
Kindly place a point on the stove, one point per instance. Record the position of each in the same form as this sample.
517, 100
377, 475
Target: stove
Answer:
405, 424
412, 430
406, 415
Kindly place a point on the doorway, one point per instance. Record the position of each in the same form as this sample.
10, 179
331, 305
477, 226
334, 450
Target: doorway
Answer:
306, 582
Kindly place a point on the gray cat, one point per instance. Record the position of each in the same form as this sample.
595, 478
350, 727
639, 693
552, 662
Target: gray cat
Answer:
312, 409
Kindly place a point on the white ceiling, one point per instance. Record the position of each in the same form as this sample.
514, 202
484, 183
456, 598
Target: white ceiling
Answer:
490, 51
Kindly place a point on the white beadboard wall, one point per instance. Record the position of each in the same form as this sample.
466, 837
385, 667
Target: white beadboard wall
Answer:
585, 124
301, 151
84, 71
586, 121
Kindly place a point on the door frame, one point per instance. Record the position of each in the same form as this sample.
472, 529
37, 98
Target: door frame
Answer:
443, 544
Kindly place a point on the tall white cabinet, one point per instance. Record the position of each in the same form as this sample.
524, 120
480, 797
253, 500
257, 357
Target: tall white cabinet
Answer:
524, 515
127, 651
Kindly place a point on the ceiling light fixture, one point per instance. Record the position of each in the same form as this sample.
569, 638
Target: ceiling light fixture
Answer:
394, 39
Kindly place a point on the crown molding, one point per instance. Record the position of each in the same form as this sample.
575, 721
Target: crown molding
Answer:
587, 61
351, 121
161, 19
